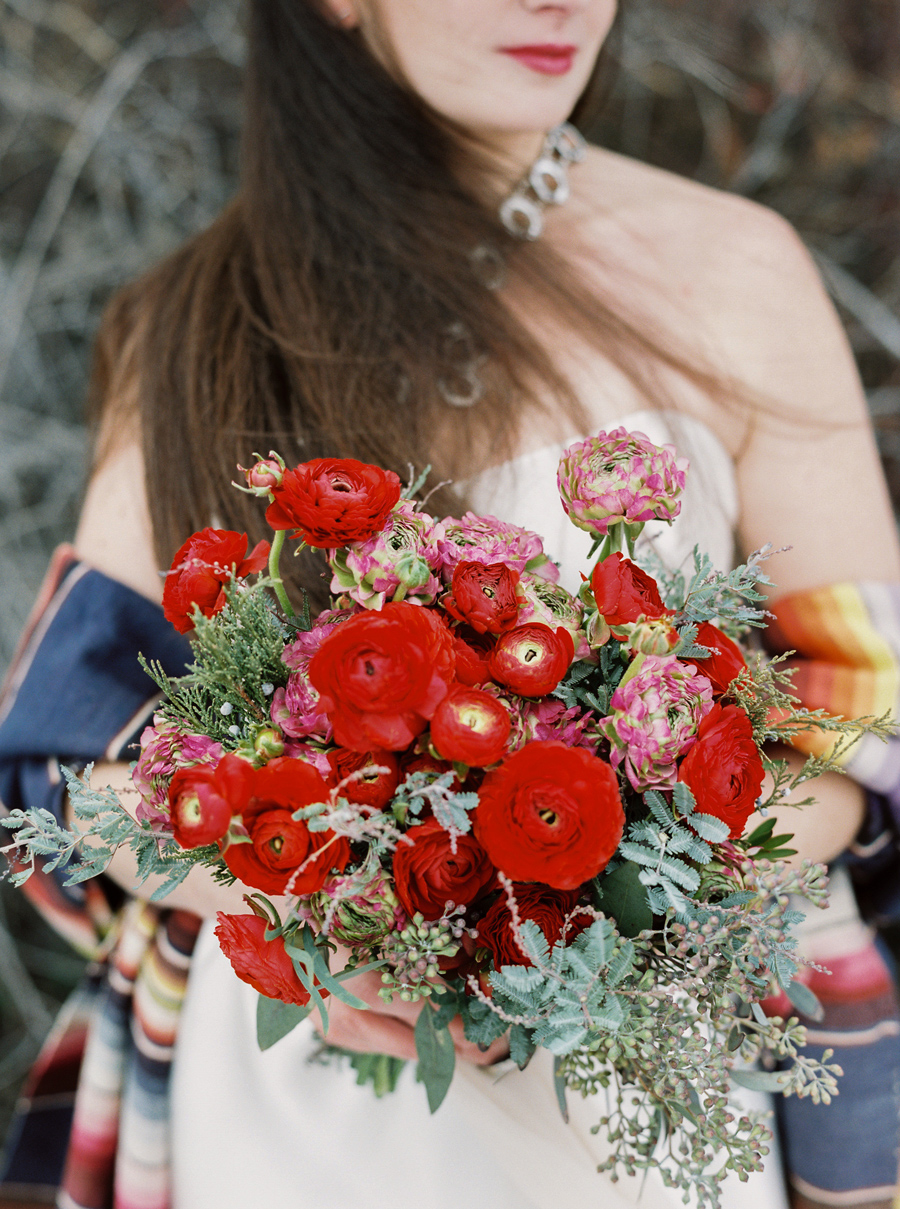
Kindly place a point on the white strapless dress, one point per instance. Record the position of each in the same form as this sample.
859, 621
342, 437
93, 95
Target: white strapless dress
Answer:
255, 1130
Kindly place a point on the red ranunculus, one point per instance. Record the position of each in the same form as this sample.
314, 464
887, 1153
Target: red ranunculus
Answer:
471, 727
484, 596
550, 813
726, 660
264, 964
472, 662
333, 501
284, 856
428, 873
370, 788
202, 567
723, 769
543, 905
532, 659
380, 676
624, 592
200, 799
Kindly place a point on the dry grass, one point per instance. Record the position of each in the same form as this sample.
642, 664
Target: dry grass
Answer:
118, 135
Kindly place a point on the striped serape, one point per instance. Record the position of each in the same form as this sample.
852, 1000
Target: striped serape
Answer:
847, 643
91, 1129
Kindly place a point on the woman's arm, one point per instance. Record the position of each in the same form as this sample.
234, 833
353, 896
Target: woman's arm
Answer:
809, 475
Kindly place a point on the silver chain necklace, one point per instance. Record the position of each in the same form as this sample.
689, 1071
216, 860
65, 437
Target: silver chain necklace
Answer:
545, 184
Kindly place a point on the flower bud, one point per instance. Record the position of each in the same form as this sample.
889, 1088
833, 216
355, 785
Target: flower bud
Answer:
594, 623
647, 637
268, 743
264, 474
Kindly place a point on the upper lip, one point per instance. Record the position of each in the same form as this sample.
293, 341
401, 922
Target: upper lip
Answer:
541, 48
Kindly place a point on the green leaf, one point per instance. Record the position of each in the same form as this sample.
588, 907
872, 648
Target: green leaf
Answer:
380, 1070
521, 1047
447, 1003
683, 799
659, 807
275, 1019
804, 1000
559, 1082
316, 999
710, 828
327, 980
481, 1025
621, 895
762, 833
437, 1057
735, 1039
761, 1080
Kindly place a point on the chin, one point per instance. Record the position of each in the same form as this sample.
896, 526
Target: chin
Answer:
530, 116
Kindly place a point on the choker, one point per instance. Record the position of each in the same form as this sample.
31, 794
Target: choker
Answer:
545, 184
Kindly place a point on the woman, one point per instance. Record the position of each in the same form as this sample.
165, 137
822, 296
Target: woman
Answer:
362, 297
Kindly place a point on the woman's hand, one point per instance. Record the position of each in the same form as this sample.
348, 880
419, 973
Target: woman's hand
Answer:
821, 831
387, 1028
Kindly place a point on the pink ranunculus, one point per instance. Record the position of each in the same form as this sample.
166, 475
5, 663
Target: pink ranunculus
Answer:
654, 719
297, 654
397, 563
620, 476
309, 753
484, 539
295, 710
550, 720
166, 747
550, 603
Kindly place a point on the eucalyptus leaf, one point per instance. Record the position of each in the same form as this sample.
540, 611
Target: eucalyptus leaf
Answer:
437, 1057
521, 1046
275, 1019
327, 980
804, 1000
559, 1082
621, 896
761, 1080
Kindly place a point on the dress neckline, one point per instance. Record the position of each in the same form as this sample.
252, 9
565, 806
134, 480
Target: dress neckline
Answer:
644, 414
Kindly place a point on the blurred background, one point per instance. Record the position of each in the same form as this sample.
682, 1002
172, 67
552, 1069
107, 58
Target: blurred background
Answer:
119, 123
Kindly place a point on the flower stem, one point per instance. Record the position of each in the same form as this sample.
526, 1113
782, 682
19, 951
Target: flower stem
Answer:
274, 574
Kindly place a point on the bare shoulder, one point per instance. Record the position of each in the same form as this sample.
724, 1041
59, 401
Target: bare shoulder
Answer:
694, 228
114, 533
727, 277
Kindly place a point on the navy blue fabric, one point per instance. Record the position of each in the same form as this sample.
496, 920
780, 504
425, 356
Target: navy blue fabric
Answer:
841, 1146
82, 685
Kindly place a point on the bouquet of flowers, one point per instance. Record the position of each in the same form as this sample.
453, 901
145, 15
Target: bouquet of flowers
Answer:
525, 808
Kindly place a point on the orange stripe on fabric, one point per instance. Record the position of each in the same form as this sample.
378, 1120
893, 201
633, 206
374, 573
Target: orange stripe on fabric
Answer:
833, 625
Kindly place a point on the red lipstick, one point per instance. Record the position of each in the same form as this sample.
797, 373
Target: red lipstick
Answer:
549, 59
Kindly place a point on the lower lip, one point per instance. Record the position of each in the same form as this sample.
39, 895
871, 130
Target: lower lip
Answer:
544, 64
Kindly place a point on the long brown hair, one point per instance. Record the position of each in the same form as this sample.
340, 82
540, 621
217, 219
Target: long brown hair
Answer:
340, 304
